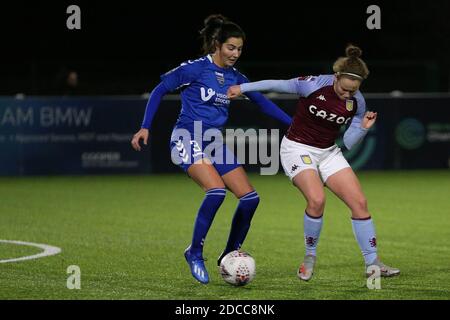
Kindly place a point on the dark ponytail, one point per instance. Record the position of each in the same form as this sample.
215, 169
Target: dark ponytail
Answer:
218, 28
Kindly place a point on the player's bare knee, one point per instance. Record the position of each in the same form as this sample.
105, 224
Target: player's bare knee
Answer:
316, 205
360, 209
361, 204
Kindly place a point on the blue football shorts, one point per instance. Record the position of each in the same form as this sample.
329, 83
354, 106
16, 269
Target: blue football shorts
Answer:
188, 147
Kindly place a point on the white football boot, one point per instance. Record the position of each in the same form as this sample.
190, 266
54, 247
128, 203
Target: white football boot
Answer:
385, 271
306, 269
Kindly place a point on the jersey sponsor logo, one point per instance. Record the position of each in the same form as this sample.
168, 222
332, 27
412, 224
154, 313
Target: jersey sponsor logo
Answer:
349, 105
321, 97
206, 95
306, 159
221, 99
328, 116
220, 78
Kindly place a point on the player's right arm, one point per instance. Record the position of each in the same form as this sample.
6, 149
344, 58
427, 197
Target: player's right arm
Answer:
150, 110
170, 81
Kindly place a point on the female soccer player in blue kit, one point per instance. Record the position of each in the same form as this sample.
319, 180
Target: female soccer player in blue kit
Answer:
310, 157
204, 101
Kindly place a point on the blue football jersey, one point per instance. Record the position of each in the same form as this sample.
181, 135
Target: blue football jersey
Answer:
204, 90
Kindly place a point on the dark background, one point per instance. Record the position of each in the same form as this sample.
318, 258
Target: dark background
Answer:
123, 47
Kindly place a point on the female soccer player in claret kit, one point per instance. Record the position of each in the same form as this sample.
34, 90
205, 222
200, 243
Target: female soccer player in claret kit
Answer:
204, 83
311, 158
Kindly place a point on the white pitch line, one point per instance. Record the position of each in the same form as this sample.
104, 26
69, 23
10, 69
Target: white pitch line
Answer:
48, 250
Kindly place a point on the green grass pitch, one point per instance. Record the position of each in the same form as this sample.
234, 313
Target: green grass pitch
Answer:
128, 233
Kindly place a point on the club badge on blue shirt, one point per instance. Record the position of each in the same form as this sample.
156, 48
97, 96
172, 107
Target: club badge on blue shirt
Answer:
220, 78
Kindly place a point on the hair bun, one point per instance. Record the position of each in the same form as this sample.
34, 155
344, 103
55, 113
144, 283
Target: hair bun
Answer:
214, 20
353, 51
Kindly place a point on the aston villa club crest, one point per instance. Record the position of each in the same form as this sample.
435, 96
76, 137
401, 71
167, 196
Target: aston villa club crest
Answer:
306, 159
310, 241
220, 78
349, 105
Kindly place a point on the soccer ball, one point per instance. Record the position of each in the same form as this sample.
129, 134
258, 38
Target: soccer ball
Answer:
238, 268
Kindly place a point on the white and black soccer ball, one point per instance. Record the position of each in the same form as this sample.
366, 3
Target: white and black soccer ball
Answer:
238, 268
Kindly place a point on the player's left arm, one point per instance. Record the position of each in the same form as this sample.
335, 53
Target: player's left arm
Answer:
267, 106
360, 125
